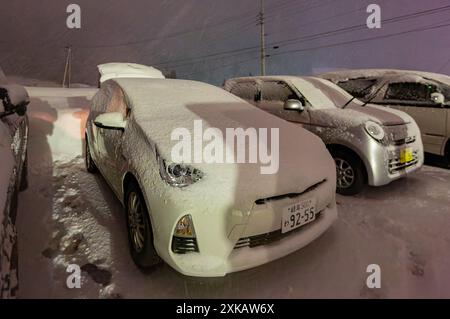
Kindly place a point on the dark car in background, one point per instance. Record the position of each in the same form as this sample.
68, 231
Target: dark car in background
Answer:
13, 178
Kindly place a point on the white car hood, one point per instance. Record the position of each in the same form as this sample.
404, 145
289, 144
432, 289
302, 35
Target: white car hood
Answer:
159, 106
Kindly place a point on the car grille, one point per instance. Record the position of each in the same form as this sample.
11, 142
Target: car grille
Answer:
262, 201
403, 141
395, 165
268, 238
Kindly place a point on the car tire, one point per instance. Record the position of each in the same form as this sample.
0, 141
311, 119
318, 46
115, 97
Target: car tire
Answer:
447, 155
349, 173
90, 165
24, 175
139, 229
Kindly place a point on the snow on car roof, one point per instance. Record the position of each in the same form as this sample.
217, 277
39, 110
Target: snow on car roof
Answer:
127, 70
159, 106
16, 93
307, 87
385, 73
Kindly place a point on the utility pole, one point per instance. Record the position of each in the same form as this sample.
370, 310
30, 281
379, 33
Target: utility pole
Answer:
68, 67
263, 40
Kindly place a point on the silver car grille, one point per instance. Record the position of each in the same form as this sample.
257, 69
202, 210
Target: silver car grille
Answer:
398, 135
395, 164
404, 141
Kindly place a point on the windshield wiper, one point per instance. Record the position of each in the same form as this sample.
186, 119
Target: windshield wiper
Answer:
354, 97
375, 94
349, 101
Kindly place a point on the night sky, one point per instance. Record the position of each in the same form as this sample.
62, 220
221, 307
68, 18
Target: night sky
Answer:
213, 40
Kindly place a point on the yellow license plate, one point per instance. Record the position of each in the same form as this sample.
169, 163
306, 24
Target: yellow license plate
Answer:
406, 156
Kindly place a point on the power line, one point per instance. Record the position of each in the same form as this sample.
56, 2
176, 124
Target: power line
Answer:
365, 39
432, 27
311, 37
173, 35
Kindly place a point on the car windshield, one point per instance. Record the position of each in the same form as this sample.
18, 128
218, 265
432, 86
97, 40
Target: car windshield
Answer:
323, 94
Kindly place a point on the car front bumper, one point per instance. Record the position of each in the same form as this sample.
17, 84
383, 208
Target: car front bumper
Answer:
221, 249
384, 163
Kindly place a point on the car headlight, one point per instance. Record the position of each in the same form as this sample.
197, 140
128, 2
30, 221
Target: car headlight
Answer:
178, 175
375, 130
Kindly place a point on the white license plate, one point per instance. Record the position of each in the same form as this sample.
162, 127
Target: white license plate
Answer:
298, 214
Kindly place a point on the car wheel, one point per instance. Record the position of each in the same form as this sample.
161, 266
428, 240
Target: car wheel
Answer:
447, 155
90, 165
349, 173
24, 176
140, 233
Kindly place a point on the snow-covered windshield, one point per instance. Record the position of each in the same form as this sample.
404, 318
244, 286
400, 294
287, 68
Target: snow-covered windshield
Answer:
322, 94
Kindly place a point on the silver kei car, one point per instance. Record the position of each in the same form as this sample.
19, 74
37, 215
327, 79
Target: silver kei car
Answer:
423, 95
370, 144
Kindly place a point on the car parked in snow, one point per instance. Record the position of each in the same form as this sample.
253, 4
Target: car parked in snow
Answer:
13, 178
206, 218
424, 96
369, 144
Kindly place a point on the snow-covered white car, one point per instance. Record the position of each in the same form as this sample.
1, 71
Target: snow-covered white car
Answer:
369, 144
205, 219
13, 178
423, 95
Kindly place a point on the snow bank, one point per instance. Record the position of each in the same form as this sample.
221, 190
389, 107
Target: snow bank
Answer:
127, 70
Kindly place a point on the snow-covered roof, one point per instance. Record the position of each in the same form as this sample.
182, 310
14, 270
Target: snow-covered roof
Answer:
127, 70
308, 87
385, 73
16, 93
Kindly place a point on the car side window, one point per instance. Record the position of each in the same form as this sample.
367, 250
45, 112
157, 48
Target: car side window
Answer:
410, 91
245, 90
359, 88
100, 101
117, 101
277, 91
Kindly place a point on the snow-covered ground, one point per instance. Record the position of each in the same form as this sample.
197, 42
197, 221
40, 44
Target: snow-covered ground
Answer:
68, 216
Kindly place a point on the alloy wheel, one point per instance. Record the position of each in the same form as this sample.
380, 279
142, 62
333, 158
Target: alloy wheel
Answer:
345, 173
136, 222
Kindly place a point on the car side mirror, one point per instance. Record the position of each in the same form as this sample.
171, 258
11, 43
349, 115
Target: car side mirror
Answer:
111, 121
294, 105
438, 98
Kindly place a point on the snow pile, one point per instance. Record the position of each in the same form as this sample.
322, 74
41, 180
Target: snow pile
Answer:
127, 70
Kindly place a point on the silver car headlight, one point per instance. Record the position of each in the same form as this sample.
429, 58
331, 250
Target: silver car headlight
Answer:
178, 175
374, 130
